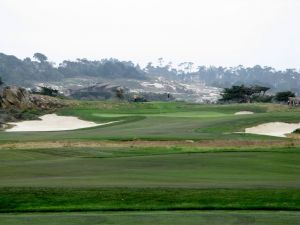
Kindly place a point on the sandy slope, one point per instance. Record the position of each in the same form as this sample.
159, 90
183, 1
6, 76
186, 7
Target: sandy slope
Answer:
53, 122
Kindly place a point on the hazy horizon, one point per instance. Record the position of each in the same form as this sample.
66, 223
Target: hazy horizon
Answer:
215, 32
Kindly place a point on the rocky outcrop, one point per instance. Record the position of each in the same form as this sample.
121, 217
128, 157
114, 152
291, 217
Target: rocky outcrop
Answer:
17, 98
45, 102
17, 103
99, 91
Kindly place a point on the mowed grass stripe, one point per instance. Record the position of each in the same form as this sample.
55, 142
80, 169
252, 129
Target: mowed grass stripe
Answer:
120, 199
195, 170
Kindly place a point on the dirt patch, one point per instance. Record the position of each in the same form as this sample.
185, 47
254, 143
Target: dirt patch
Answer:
295, 136
120, 144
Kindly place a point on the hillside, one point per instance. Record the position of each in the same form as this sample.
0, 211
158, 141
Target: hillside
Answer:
185, 82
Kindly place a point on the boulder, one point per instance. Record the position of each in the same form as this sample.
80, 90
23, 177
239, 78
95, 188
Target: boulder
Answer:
12, 97
45, 102
15, 101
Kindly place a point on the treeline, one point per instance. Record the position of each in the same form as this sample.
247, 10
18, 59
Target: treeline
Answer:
29, 71
249, 94
39, 69
106, 68
224, 77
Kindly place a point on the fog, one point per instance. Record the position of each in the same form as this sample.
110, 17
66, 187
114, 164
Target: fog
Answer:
207, 32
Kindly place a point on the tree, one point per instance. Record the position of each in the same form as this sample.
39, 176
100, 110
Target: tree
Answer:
160, 61
284, 96
40, 57
237, 93
1, 82
245, 94
120, 93
258, 89
187, 66
149, 68
48, 91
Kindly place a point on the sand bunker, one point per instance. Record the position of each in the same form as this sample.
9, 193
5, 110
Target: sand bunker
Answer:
278, 129
244, 113
53, 122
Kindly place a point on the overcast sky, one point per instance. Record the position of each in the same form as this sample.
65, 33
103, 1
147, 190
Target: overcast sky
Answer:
207, 32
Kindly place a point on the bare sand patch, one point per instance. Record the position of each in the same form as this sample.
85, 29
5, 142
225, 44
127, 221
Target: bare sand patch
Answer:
53, 122
244, 113
277, 129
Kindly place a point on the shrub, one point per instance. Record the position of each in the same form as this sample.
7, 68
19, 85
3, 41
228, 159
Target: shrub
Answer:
284, 96
297, 131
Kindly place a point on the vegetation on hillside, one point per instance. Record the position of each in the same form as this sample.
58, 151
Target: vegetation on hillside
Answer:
46, 91
28, 71
284, 96
244, 94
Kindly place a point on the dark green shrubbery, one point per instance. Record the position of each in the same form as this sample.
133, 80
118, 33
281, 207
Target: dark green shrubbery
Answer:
264, 99
296, 131
244, 94
284, 96
46, 91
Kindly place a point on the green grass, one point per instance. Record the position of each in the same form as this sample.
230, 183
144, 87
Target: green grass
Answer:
165, 107
111, 152
160, 217
83, 179
128, 199
142, 179
144, 168
163, 121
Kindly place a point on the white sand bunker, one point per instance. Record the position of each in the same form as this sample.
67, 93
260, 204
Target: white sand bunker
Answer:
278, 129
244, 113
53, 122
